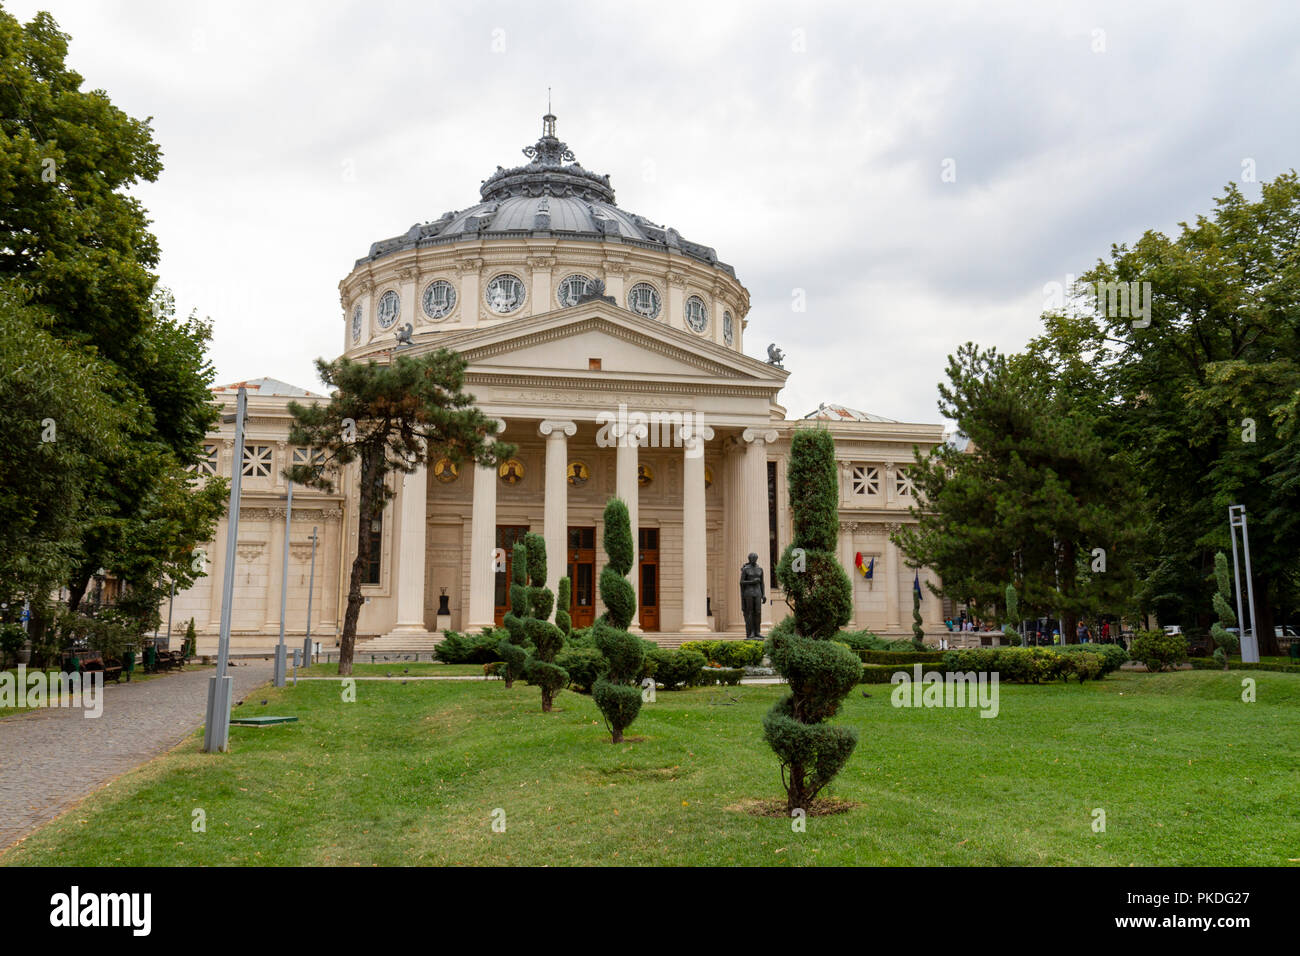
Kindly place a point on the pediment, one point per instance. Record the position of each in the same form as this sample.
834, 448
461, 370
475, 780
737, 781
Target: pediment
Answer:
565, 342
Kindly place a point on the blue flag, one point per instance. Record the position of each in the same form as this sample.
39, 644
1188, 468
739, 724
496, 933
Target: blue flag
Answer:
916, 584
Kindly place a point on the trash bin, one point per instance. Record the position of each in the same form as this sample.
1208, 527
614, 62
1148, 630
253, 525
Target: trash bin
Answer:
150, 658
1294, 650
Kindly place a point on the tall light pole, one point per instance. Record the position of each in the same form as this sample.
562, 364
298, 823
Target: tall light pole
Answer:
280, 656
216, 731
311, 583
1249, 639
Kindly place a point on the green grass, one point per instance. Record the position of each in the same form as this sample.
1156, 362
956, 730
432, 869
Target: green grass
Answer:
396, 668
1186, 772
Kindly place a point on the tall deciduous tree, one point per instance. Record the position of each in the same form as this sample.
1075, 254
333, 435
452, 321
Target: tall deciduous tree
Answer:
388, 419
1203, 391
75, 245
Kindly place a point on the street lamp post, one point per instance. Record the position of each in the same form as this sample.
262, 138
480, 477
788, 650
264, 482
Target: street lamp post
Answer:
216, 730
280, 656
1249, 639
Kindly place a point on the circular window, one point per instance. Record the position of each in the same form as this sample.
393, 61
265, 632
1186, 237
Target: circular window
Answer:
697, 314
572, 289
505, 294
446, 470
643, 299
389, 305
439, 299
728, 328
356, 322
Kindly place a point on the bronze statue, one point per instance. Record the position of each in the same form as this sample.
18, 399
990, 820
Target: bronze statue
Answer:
753, 593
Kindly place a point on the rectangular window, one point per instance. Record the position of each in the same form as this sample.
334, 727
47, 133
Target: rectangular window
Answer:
207, 463
649, 539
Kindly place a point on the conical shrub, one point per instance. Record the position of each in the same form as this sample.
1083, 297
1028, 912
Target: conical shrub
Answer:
617, 694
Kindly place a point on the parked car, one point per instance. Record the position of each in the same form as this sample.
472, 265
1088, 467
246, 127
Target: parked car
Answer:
1172, 629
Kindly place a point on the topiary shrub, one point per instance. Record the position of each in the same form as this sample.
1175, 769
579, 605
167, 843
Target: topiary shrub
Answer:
1112, 656
676, 669
727, 653
1085, 665
514, 647
544, 638
585, 666
563, 594
1009, 632
821, 673
1225, 642
617, 693
191, 641
1158, 650
918, 629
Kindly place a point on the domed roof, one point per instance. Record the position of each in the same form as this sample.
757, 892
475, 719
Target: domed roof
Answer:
551, 195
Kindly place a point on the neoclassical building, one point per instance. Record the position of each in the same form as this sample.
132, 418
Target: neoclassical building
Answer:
611, 349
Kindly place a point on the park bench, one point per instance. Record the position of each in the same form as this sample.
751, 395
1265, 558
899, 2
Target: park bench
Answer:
88, 662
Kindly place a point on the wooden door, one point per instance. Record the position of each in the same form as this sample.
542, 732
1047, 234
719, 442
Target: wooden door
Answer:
582, 576
649, 551
507, 535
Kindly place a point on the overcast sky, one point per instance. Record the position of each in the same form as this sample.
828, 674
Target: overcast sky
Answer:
805, 143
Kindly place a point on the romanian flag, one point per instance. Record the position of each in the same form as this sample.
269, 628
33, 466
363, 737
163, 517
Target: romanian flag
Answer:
868, 569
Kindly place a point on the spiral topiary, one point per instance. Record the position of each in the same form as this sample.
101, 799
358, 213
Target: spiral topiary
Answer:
616, 693
546, 639
821, 672
1224, 640
514, 648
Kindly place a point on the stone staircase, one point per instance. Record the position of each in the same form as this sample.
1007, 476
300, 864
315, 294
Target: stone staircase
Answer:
390, 645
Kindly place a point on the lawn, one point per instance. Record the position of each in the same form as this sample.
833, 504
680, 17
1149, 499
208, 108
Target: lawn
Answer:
395, 668
412, 774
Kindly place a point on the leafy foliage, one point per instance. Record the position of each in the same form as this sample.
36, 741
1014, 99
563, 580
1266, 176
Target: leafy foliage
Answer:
1225, 641
676, 669
388, 419
1158, 650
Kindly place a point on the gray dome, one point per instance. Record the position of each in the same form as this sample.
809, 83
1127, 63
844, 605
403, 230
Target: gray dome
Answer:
546, 197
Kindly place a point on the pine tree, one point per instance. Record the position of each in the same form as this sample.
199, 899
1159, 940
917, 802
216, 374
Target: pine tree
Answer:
821, 672
617, 694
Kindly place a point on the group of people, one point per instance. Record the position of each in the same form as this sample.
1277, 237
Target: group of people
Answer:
1040, 633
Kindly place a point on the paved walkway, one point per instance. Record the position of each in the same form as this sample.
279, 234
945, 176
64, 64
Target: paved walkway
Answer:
53, 757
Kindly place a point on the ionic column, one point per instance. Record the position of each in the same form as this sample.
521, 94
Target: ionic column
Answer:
627, 487
275, 569
695, 611
410, 561
556, 514
891, 576
756, 530
482, 545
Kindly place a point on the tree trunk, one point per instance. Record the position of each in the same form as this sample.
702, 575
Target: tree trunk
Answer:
1268, 646
616, 736
365, 514
77, 588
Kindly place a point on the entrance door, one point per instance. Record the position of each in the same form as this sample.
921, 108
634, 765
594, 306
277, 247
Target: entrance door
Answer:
582, 576
649, 550
507, 535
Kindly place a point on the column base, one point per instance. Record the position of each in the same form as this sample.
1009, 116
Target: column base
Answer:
410, 631
696, 629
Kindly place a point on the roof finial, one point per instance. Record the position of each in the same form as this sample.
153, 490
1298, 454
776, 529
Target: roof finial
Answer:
548, 121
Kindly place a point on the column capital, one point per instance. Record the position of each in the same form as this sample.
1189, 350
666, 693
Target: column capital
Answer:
555, 428
767, 435
693, 439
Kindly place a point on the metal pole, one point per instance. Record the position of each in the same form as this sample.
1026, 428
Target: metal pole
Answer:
284, 591
1249, 650
216, 730
170, 602
1236, 572
311, 582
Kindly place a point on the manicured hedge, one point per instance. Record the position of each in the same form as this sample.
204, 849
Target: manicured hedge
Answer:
883, 673
728, 653
1210, 664
676, 669
585, 665
1113, 656
457, 648
900, 657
